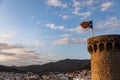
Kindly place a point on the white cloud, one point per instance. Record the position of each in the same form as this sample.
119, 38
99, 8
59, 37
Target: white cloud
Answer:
69, 41
89, 2
7, 35
56, 3
65, 35
76, 6
6, 53
65, 16
106, 5
6, 45
78, 10
78, 29
15, 55
61, 41
85, 14
53, 26
76, 3
108, 25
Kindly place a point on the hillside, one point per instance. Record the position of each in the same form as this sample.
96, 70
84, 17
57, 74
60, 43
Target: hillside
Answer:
67, 65
8, 69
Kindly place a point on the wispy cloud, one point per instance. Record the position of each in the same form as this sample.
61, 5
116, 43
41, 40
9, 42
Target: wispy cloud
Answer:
65, 35
78, 10
88, 2
6, 53
53, 26
81, 8
7, 35
76, 3
15, 55
5, 45
61, 41
76, 6
65, 17
108, 25
106, 5
77, 29
104, 26
70, 41
56, 3
85, 14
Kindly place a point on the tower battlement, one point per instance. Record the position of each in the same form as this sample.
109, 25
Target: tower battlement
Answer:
105, 57
104, 43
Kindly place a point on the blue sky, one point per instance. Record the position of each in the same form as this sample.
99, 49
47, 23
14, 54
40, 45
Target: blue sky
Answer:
41, 31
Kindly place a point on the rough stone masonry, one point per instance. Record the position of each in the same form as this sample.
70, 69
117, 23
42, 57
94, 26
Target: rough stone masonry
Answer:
105, 57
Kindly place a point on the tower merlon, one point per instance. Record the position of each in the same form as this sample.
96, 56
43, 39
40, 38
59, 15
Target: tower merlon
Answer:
104, 43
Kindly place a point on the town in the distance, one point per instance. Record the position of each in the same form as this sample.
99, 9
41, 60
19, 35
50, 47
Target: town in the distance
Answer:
68, 69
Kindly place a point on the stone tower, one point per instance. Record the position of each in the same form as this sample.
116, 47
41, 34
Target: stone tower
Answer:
105, 57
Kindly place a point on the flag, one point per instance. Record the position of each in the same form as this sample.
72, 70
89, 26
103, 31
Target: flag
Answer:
87, 24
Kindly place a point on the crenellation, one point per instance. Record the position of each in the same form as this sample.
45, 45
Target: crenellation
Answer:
108, 46
117, 46
101, 47
95, 48
90, 48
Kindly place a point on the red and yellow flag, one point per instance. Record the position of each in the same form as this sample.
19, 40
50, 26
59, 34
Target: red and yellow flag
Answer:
87, 24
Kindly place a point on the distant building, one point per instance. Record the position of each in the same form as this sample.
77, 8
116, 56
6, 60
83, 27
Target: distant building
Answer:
105, 57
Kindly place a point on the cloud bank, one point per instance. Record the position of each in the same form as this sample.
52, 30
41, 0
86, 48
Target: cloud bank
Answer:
17, 55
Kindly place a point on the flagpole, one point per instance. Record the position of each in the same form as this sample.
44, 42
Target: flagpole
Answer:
92, 29
92, 32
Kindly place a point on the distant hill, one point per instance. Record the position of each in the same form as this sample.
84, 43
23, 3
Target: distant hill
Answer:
8, 69
67, 65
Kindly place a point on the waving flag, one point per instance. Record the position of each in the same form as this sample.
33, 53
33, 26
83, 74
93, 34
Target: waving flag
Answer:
87, 24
